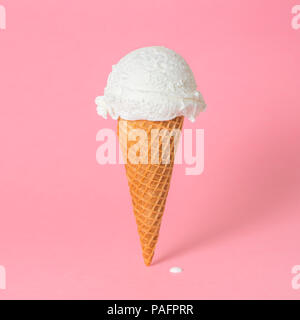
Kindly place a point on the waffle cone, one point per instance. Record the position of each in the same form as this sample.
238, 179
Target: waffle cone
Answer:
149, 167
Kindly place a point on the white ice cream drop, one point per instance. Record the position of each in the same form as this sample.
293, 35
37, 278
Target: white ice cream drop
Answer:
152, 83
176, 270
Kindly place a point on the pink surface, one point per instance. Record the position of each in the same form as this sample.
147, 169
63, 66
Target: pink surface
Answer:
67, 230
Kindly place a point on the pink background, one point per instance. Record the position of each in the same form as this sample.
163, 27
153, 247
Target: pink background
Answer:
67, 230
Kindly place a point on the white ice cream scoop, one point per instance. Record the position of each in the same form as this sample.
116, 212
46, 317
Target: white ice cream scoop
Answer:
152, 83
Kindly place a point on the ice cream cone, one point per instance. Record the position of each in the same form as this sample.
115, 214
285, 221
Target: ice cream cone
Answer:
149, 178
150, 91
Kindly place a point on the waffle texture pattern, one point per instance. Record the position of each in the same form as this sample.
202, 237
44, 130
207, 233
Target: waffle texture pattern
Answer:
149, 182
